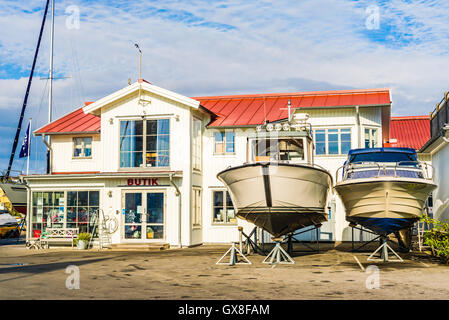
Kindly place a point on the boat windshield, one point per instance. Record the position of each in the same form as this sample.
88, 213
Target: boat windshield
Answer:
286, 149
383, 157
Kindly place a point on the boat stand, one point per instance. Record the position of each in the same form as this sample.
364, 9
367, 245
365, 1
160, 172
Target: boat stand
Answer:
20, 227
383, 252
291, 238
278, 255
233, 253
251, 244
358, 249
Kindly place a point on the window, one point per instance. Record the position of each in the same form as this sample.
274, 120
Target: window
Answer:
71, 209
370, 138
196, 207
48, 211
82, 210
224, 142
332, 141
150, 138
223, 210
196, 144
278, 149
82, 147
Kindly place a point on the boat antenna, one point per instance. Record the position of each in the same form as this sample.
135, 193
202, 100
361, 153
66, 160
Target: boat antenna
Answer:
140, 60
25, 100
289, 109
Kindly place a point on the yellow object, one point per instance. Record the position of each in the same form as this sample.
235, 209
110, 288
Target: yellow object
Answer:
4, 231
6, 204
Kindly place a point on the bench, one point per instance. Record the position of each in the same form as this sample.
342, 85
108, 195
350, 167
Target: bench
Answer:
60, 235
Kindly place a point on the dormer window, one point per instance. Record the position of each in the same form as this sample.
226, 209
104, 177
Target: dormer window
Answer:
82, 147
144, 143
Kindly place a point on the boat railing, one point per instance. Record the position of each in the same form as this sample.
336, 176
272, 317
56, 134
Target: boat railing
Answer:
274, 162
402, 169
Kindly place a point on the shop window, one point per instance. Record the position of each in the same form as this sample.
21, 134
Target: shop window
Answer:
370, 138
196, 207
82, 210
196, 144
223, 210
224, 142
82, 147
48, 212
144, 143
332, 141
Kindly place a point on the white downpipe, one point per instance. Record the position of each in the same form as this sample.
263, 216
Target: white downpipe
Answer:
178, 194
29, 210
357, 121
51, 152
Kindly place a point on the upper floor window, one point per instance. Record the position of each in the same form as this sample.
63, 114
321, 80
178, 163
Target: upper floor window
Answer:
82, 147
196, 144
224, 142
370, 138
144, 143
332, 141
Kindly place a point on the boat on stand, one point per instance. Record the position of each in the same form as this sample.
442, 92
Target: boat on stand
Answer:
384, 190
280, 189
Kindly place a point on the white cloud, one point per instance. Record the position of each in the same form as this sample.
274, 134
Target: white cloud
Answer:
276, 46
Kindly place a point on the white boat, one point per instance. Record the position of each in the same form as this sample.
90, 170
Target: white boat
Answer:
280, 189
385, 190
16, 194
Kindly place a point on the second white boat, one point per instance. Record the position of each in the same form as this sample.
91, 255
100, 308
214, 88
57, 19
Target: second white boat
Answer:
280, 189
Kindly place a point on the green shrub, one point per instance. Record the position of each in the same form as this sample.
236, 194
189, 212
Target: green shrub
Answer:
85, 236
437, 238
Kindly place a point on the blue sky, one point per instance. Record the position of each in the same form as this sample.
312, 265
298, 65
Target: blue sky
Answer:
198, 47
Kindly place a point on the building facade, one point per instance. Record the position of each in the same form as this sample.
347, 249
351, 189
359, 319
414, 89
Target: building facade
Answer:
437, 149
148, 158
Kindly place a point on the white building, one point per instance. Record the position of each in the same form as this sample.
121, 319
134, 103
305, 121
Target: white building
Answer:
437, 147
149, 157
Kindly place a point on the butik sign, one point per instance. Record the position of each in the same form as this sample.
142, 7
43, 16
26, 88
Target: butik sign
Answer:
143, 182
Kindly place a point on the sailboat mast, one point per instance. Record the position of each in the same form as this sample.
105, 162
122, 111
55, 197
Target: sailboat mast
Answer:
25, 100
50, 77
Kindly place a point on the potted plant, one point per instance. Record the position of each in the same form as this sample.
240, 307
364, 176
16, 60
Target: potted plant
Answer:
82, 240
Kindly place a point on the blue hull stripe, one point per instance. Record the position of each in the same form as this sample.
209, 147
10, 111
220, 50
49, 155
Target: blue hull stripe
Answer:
383, 226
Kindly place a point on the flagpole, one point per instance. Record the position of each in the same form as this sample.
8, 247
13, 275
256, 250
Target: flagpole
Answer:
29, 150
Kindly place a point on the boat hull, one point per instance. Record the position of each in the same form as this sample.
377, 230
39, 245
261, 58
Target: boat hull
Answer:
280, 198
384, 205
16, 194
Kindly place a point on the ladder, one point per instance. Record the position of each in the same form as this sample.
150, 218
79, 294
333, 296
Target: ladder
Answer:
421, 229
104, 234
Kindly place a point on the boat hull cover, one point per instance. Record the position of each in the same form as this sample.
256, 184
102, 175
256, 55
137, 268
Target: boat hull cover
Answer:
279, 198
384, 205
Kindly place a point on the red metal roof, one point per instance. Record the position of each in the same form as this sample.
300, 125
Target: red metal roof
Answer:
247, 110
242, 110
410, 132
76, 121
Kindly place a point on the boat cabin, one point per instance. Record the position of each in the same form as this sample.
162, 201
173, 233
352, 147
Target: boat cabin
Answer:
281, 146
376, 162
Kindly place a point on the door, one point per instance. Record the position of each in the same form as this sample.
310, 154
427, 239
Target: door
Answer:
144, 216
